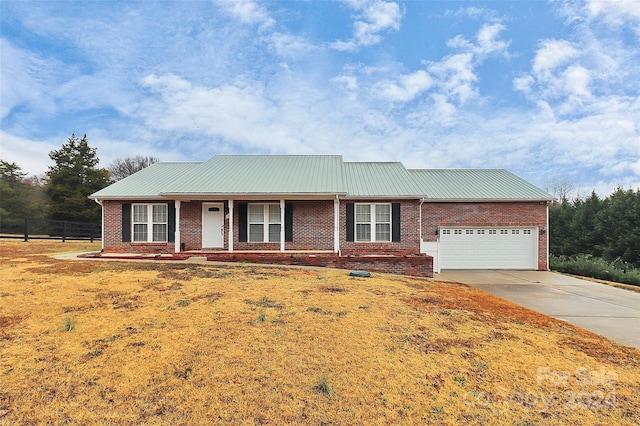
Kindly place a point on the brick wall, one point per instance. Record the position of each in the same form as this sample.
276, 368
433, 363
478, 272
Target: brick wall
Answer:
312, 228
409, 231
505, 214
112, 236
191, 224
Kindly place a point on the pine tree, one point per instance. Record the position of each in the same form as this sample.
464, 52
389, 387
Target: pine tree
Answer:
72, 179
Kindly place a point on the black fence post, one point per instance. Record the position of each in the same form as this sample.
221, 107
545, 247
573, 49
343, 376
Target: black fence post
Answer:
64, 232
91, 236
26, 229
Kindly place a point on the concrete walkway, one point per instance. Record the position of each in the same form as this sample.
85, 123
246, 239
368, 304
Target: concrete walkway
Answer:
609, 311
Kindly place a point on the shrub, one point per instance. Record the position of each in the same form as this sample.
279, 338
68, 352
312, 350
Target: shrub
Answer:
589, 266
68, 325
323, 386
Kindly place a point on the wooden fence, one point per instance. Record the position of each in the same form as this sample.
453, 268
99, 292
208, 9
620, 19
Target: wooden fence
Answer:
36, 228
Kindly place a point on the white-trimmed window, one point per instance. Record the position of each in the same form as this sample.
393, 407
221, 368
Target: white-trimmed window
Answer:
373, 222
264, 223
150, 222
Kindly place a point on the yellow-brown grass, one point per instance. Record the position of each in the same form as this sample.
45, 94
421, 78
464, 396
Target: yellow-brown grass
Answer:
158, 343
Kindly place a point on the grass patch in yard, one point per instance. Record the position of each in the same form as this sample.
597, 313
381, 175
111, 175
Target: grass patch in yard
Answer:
167, 343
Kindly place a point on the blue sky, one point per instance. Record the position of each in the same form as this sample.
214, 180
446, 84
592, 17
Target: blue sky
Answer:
547, 90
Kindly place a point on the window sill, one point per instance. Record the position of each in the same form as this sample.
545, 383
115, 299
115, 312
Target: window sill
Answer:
149, 243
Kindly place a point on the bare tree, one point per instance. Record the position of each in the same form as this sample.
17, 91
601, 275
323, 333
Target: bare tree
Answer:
120, 168
560, 187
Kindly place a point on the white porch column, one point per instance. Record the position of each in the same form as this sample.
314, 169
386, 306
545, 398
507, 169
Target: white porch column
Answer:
281, 225
177, 233
230, 225
336, 225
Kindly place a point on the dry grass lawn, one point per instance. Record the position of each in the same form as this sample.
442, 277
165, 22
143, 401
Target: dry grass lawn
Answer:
88, 342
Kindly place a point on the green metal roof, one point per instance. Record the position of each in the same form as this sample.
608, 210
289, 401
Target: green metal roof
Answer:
263, 174
311, 176
147, 183
378, 179
483, 184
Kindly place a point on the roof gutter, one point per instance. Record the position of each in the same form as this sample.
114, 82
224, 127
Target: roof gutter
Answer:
487, 200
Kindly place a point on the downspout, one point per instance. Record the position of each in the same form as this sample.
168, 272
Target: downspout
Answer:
422, 200
548, 238
336, 225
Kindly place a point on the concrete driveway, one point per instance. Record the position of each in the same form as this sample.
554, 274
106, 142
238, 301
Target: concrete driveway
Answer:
609, 311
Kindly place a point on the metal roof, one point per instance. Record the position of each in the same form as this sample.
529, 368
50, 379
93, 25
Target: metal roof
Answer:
263, 174
147, 183
317, 176
379, 179
476, 184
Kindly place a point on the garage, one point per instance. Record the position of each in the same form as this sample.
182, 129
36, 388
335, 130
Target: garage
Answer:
488, 248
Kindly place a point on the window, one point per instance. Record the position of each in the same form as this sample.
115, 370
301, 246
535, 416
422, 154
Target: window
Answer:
264, 223
481, 231
457, 231
150, 222
469, 231
527, 231
515, 231
373, 222
504, 231
492, 231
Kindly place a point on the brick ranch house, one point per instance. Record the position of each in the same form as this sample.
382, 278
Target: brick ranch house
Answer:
323, 210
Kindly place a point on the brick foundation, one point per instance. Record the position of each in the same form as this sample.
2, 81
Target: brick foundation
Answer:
414, 265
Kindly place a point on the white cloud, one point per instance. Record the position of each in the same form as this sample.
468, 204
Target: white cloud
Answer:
451, 81
247, 11
30, 155
408, 86
577, 81
372, 18
24, 77
288, 45
552, 54
615, 13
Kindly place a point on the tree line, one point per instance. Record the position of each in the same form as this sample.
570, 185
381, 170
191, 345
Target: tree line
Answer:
61, 193
607, 228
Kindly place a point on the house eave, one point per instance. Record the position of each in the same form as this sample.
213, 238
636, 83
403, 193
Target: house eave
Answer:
487, 200
126, 197
382, 197
251, 195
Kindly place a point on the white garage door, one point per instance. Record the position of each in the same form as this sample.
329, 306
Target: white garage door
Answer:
488, 248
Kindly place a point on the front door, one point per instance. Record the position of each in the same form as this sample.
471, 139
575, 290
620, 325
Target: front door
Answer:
212, 225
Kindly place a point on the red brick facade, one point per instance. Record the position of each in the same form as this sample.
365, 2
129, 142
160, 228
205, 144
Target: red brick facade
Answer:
526, 214
409, 231
313, 226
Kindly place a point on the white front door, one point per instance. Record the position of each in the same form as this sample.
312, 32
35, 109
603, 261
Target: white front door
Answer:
212, 225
